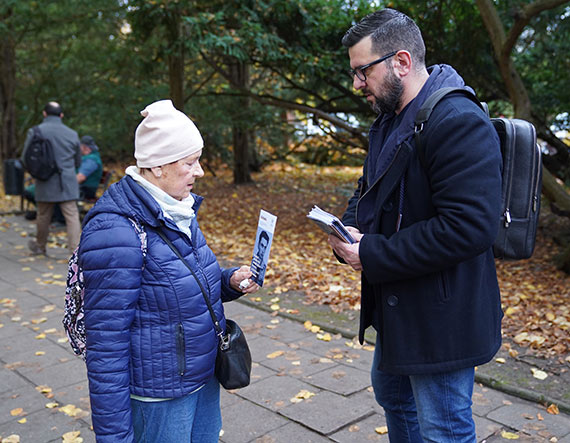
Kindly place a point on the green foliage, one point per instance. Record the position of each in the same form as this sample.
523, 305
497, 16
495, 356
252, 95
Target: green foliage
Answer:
105, 60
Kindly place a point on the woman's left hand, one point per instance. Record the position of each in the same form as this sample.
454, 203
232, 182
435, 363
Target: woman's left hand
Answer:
240, 275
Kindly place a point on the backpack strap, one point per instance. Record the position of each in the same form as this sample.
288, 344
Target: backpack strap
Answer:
428, 106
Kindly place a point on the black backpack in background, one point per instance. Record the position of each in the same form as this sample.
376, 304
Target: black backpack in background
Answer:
39, 159
521, 177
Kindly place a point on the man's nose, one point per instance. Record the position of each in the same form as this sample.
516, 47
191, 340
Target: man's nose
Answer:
357, 83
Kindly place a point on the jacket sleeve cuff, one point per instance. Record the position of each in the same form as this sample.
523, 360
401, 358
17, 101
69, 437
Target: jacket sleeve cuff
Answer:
228, 293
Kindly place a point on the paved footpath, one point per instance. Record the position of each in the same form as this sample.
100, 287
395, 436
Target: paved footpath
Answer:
304, 388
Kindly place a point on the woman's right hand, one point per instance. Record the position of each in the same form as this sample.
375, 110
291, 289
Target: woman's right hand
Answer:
241, 274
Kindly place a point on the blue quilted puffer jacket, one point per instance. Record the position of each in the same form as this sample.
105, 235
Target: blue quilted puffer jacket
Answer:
149, 331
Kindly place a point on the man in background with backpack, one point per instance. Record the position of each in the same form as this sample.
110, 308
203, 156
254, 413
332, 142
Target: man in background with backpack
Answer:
424, 234
61, 187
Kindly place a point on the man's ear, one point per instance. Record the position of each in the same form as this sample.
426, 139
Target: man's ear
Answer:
402, 63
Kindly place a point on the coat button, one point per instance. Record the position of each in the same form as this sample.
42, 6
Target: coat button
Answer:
392, 300
388, 206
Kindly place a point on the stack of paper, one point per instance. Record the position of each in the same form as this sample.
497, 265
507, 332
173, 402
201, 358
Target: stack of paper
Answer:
330, 224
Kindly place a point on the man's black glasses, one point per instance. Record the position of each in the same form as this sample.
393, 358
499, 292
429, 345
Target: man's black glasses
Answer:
359, 70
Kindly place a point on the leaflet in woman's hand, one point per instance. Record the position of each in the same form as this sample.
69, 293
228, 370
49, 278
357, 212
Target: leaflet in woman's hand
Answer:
330, 224
263, 238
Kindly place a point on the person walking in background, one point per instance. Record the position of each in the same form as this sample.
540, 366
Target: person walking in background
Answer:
151, 342
60, 188
91, 169
424, 235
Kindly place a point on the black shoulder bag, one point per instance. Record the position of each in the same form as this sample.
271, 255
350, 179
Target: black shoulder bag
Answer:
233, 361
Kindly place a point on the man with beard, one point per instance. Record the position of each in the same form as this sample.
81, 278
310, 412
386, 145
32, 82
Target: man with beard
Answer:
424, 235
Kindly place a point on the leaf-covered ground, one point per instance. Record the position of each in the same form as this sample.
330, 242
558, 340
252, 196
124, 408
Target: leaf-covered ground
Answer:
535, 295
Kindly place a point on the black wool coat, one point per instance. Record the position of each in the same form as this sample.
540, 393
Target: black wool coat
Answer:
430, 288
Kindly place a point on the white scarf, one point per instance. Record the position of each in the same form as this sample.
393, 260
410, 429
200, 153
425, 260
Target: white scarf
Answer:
179, 211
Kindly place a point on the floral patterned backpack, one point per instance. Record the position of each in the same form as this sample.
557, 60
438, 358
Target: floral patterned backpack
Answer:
73, 317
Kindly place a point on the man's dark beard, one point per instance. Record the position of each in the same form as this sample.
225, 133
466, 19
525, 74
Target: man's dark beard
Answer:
392, 99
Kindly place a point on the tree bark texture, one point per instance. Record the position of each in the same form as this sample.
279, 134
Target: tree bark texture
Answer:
8, 140
239, 72
176, 62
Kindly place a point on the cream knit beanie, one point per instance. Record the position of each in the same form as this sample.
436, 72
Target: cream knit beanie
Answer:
165, 135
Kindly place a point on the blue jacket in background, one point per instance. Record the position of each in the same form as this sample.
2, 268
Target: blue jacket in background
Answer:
148, 328
430, 287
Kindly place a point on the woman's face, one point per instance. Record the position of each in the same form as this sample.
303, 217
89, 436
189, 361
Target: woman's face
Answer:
177, 179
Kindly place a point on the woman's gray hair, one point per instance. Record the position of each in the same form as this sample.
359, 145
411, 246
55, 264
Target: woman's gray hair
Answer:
390, 30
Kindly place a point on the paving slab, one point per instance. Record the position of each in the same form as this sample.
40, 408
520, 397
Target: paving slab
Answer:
299, 363
292, 432
276, 392
244, 421
485, 428
341, 379
11, 380
46, 426
363, 431
315, 412
486, 400
532, 419
60, 375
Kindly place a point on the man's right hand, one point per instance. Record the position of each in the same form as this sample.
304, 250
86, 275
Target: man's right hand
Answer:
348, 252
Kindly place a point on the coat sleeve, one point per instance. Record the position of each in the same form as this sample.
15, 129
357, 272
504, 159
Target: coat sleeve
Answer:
26, 145
463, 164
228, 294
349, 216
111, 258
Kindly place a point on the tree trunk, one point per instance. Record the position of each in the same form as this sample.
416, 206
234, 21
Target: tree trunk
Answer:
8, 141
239, 72
176, 62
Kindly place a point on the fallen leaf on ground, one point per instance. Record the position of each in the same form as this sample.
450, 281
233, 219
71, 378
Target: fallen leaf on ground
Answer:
302, 395
537, 373
16, 411
70, 410
72, 437
553, 409
509, 435
275, 354
43, 389
381, 430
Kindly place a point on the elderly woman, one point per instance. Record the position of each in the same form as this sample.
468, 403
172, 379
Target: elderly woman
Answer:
151, 342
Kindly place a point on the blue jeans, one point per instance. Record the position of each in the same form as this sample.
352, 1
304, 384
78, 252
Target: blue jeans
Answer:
195, 418
426, 408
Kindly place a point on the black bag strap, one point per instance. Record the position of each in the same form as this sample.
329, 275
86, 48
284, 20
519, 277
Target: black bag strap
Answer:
428, 106
224, 340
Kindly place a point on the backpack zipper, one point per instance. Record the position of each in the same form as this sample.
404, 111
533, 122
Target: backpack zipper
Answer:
507, 212
536, 183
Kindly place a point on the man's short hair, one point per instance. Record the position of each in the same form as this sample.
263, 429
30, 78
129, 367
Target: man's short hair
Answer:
53, 108
264, 234
390, 30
